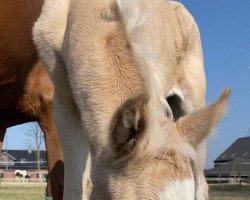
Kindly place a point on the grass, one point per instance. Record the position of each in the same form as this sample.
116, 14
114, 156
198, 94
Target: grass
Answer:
35, 191
229, 192
22, 191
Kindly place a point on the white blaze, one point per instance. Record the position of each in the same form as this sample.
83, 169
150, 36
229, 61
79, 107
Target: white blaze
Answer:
179, 190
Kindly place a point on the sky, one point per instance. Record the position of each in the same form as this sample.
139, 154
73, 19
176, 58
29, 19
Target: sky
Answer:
225, 34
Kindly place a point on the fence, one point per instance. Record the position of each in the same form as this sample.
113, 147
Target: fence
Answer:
9, 176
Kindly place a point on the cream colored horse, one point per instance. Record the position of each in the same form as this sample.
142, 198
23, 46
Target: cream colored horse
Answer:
113, 63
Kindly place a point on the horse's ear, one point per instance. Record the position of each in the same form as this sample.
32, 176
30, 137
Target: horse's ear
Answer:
128, 125
195, 127
49, 30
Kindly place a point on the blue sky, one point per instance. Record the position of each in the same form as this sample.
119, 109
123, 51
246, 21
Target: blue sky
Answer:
225, 33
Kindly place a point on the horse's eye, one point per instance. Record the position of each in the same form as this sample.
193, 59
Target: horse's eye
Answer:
175, 104
168, 112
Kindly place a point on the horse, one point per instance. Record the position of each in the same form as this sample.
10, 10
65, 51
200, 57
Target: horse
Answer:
26, 89
21, 174
113, 63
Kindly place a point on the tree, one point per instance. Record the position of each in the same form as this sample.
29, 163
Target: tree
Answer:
35, 142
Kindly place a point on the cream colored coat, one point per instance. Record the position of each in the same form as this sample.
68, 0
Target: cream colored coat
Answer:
113, 63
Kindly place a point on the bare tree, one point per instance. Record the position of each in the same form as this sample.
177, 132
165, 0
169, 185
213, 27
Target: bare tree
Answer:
35, 142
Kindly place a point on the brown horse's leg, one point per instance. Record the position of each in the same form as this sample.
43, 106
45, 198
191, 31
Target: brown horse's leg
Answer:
2, 134
54, 152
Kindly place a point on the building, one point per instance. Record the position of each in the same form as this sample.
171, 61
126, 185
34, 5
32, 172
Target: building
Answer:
12, 160
233, 164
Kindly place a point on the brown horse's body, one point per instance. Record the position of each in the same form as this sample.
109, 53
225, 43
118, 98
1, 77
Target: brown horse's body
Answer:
26, 90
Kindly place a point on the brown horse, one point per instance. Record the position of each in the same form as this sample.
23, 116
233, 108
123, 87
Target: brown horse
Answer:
26, 90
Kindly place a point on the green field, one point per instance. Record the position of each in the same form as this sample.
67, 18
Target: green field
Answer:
35, 191
229, 192
22, 191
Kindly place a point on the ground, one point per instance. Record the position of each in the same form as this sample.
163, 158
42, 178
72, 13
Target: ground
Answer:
35, 191
22, 191
229, 192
